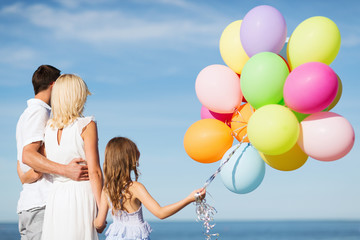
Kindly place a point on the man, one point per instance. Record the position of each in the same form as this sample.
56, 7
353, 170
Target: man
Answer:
31, 163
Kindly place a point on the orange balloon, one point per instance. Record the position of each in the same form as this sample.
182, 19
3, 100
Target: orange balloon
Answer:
240, 120
207, 140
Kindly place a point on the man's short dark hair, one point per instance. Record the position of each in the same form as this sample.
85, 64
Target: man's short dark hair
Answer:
43, 77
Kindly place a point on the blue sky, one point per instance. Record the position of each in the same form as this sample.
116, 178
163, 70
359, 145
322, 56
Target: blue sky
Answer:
140, 59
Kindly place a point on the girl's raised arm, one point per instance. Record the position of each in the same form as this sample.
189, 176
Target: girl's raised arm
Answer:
153, 206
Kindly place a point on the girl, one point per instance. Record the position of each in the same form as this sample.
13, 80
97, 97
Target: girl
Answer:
125, 197
71, 205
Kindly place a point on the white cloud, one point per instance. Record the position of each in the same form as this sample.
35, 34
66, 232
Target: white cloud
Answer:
77, 3
12, 9
351, 41
17, 56
176, 3
108, 26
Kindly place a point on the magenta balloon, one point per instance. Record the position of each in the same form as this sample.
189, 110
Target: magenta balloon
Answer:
218, 88
310, 87
263, 29
326, 136
206, 113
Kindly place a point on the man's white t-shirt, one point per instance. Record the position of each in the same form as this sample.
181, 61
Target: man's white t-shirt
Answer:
31, 128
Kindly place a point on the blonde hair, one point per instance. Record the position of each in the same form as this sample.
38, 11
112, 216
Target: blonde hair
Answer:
121, 158
68, 99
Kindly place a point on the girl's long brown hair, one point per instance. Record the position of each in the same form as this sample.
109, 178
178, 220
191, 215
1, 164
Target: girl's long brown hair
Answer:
121, 158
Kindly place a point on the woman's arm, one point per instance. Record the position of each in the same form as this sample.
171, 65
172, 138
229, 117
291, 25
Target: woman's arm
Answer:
100, 220
153, 206
90, 137
29, 176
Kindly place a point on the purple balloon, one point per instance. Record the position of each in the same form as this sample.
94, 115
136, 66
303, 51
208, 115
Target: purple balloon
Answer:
263, 29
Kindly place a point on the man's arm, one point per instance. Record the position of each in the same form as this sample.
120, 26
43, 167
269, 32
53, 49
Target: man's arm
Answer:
29, 176
40, 163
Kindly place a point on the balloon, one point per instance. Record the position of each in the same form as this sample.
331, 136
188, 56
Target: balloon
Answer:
317, 39
224, 117
326, 136
218, 89
282, 102
273, 129
263, 30
207, 140
240, 120
285, 62
300, 116
231, 49
310, 88
289, 161
282, 53
245, 170
262, 79
244, 99
338, 95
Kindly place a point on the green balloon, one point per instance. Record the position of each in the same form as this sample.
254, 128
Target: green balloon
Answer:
262, 79
282, 102
300, 116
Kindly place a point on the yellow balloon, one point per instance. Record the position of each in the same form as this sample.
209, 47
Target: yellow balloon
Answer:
273, 129
338, 95
289, 161
317, 39
231, 49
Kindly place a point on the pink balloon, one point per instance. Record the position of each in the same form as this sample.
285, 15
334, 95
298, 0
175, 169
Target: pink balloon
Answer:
218, 89
224, 117
326, 136
310, 88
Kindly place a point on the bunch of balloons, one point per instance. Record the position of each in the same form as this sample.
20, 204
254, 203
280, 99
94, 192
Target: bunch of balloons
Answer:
278, 104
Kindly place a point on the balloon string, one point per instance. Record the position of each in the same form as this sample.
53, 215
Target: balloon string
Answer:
205, 213
252, 109
212, 177
239, 121
237, 131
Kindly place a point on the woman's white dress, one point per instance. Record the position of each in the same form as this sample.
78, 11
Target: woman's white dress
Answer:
71, 206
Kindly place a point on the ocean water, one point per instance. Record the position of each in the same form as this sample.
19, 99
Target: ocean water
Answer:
254, 230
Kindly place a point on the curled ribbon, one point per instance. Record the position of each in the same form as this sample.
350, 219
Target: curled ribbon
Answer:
205, 213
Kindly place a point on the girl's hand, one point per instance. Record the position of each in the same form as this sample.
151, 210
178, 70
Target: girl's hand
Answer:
100, 229
201, 192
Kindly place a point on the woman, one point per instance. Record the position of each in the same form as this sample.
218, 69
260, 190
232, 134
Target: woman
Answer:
72, 206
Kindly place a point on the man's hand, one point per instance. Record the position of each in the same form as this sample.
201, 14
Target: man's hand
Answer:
29, 176
77, 170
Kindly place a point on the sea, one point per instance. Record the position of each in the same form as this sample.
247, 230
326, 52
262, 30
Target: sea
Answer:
242, 230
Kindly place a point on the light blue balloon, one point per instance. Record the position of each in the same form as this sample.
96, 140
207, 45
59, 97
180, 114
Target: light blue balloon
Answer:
245, 170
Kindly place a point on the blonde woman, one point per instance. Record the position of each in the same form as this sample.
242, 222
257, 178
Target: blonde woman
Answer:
72, 206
